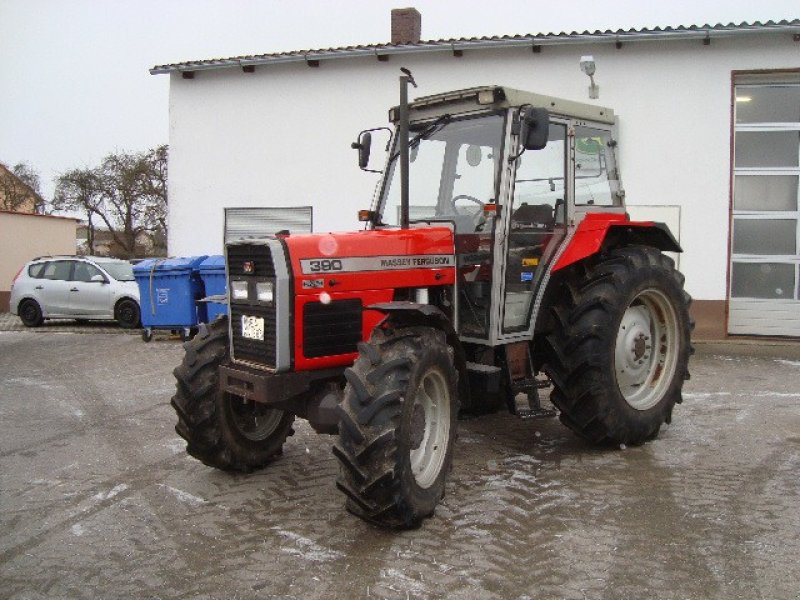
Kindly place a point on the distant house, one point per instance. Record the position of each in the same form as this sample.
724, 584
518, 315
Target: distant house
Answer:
15, 194
104, 244
26, 235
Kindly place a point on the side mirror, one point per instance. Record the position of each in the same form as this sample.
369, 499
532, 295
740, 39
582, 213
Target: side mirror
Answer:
535, 128
98, 279
364, 146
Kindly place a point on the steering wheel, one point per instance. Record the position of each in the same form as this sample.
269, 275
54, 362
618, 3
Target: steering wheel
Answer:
466, 197
475, 216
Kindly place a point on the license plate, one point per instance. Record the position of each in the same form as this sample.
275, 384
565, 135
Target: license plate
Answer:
253, 328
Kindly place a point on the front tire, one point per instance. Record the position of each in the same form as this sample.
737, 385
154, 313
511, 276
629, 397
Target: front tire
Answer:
398, 426
223, 430
30, 313
620, 351
127, 314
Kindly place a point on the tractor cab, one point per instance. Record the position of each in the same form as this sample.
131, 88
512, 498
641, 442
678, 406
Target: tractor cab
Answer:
512, 173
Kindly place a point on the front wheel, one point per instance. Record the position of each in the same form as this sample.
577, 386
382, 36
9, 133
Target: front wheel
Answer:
127, 314
620, 351
223, 430
398, 426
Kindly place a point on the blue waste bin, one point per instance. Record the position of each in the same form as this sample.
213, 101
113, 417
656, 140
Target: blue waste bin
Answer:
212, 271
168, 293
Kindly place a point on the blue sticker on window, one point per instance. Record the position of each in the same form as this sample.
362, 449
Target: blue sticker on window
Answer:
526, 276
162, 295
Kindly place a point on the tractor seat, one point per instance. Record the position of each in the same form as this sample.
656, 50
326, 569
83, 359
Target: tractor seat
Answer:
533, 217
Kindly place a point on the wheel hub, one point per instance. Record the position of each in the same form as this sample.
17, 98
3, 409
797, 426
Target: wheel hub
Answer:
254, 421
646, 349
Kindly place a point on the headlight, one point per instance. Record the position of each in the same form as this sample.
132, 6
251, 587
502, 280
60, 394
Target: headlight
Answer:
265, 292
239, 290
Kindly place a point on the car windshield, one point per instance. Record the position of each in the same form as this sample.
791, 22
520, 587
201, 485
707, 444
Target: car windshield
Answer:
453, 172
121, 271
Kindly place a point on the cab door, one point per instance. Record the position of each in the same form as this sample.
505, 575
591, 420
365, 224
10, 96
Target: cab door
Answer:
536, 227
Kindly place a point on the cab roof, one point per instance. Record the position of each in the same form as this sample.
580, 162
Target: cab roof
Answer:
500, 97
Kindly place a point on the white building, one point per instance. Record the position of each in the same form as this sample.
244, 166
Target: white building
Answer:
709, 140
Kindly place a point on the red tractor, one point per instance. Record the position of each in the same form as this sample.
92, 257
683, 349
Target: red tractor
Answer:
497, 260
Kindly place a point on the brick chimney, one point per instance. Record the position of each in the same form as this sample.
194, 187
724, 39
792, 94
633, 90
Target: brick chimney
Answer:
406, 25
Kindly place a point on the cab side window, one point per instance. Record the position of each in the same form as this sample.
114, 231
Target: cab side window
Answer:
85, 272
57, 270
596, 180
539, 188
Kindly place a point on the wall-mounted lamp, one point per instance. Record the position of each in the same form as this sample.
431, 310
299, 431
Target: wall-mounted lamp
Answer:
588, 67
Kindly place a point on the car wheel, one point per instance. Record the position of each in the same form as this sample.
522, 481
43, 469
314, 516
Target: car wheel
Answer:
127, 313
30, 313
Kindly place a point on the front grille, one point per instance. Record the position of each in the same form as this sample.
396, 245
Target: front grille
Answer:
258, 254
254, 350
330, 329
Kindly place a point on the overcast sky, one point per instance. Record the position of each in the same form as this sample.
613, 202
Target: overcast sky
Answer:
74, 81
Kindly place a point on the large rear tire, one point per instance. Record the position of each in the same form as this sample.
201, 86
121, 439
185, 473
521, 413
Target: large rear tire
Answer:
398, 426
223, 430
620, 350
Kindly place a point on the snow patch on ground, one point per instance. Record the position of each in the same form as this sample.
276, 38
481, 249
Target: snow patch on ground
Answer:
305, 548
791, 363
116, 490
777, 394
184, 496
704, 395
398, 581
176, 446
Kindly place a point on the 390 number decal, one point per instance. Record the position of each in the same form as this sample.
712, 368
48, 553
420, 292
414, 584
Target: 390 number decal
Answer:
323, 266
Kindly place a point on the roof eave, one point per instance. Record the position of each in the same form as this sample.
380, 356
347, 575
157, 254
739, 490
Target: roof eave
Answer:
479, 44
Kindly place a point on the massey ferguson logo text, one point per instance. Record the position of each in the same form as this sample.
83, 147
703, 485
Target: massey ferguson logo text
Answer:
377, 263
416, 261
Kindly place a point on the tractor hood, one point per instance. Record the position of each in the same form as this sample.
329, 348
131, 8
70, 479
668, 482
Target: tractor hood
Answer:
372, 259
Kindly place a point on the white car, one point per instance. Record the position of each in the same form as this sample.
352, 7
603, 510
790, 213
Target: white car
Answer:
76, 287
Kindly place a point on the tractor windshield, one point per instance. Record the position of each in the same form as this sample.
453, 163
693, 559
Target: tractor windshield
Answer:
454, 167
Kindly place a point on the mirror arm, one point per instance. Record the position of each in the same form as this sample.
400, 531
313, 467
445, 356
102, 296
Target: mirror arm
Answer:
516, 128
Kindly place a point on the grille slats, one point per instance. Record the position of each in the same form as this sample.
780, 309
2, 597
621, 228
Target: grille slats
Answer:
331, 329
258, 254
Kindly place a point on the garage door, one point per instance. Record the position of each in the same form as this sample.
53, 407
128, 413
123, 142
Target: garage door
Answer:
765, 243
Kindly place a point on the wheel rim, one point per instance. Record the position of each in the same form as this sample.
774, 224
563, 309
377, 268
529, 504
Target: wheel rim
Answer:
646, 349
430, 428
254, 420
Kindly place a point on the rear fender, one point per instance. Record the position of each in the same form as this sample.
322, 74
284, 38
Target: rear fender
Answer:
412, 314
604, 231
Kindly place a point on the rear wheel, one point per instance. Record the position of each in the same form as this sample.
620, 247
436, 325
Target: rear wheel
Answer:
30, 313
398, 426
620, 352
223, 430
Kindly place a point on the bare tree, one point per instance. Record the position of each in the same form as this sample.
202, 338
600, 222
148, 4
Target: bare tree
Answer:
19, 186
127, 194
155, 188
78, 191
